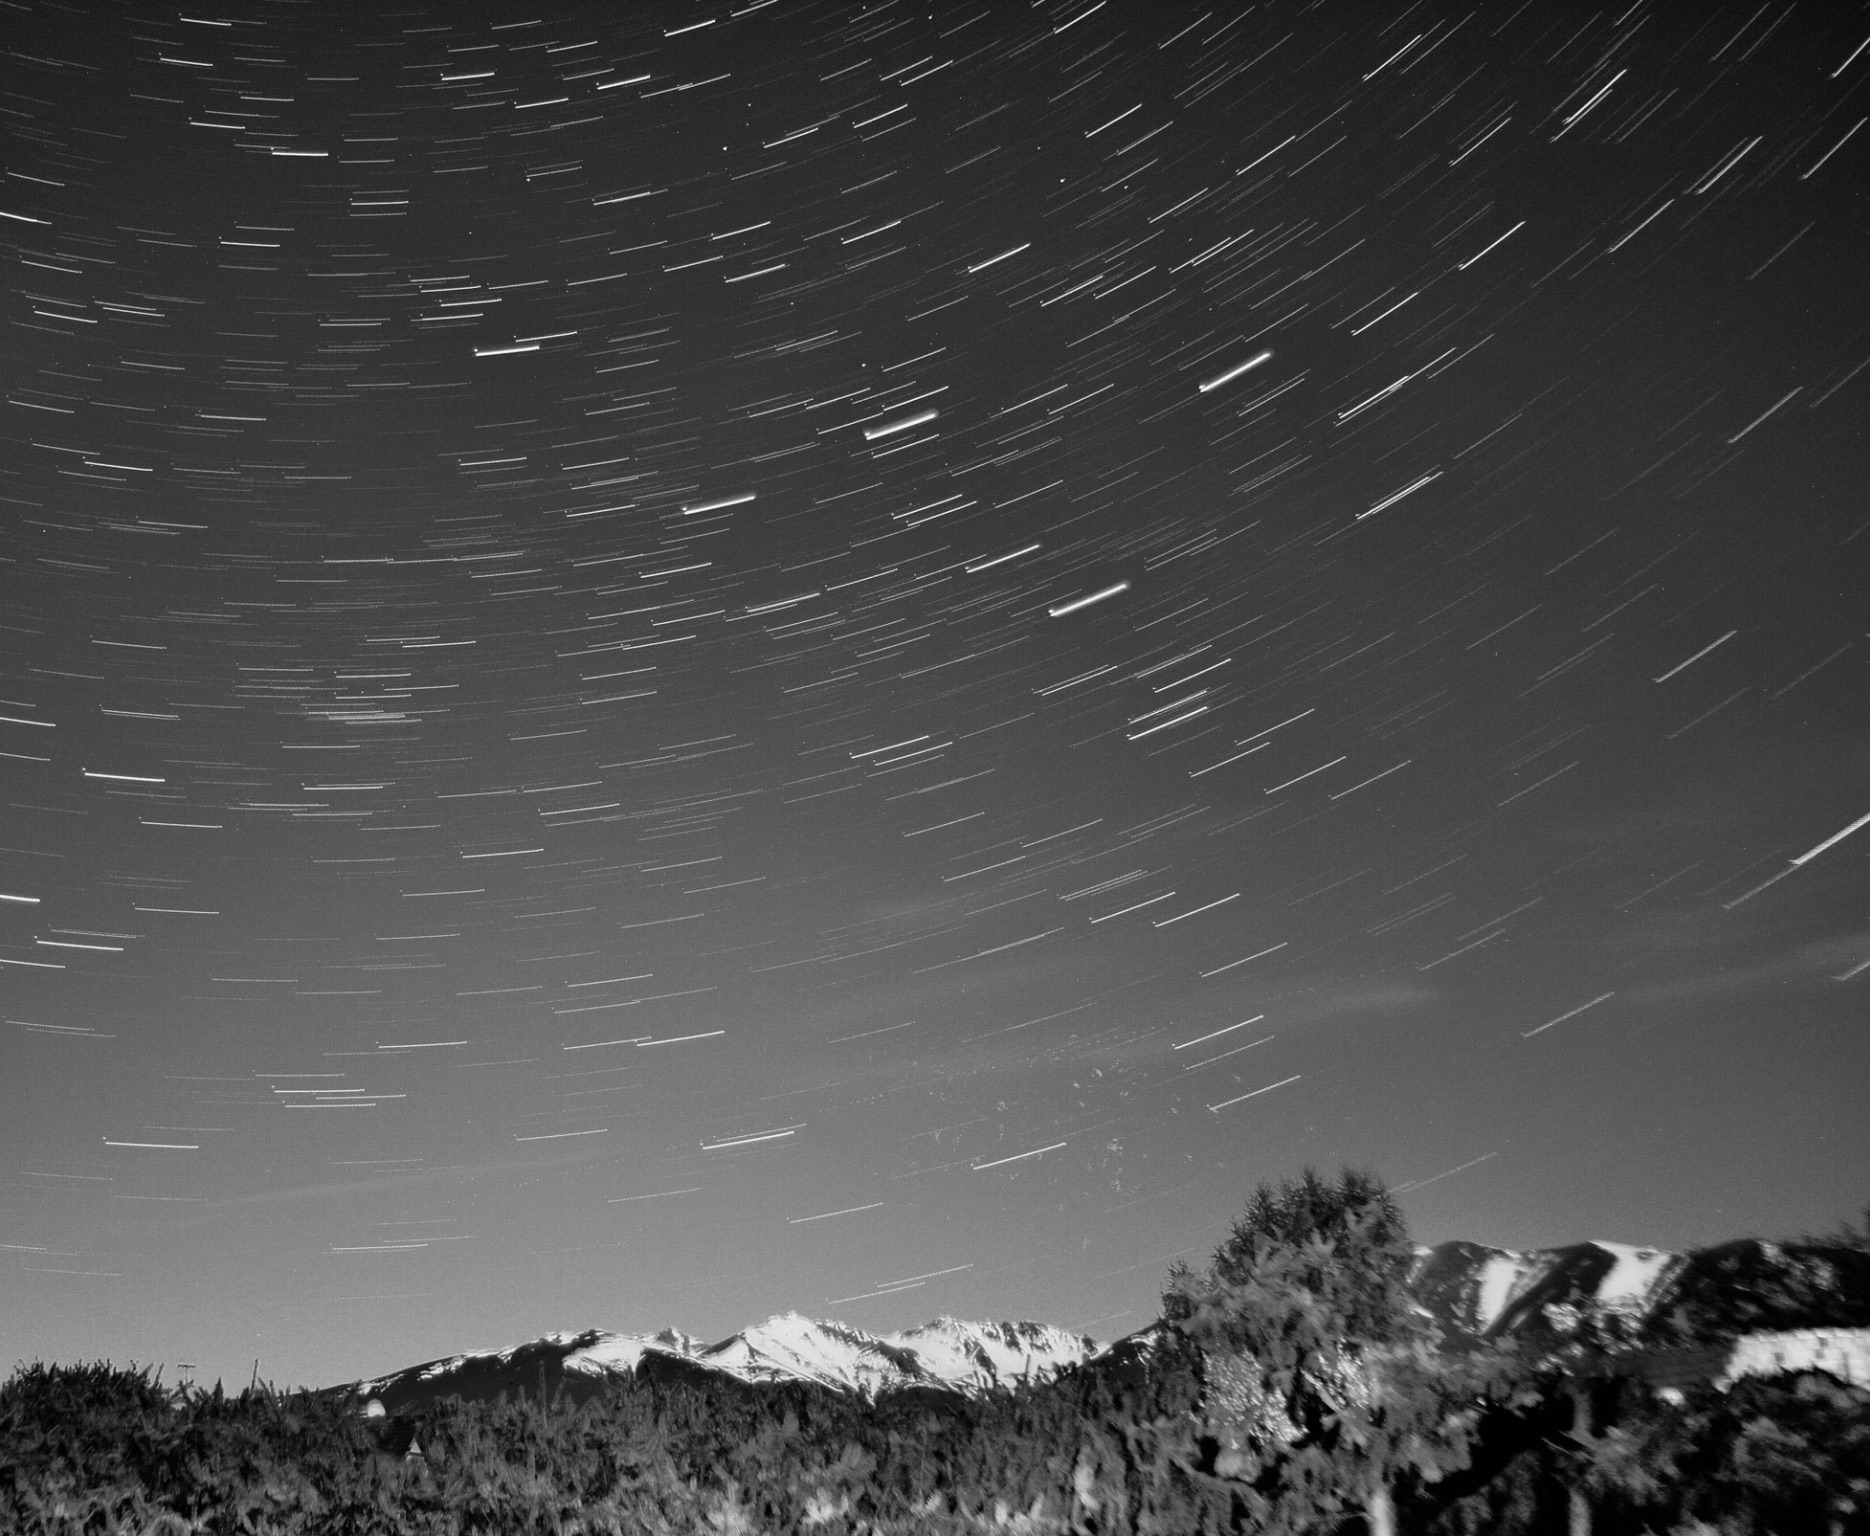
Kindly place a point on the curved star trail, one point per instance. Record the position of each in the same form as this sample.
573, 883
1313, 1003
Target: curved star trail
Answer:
658, 659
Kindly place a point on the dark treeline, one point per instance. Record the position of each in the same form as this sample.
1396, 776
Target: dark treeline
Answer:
1292, 1388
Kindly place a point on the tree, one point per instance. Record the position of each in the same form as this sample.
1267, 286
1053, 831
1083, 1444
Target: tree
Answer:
1779, 1453
1844, 1235
1332, 1372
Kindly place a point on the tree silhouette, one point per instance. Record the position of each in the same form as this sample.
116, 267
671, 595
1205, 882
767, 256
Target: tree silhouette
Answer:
1844, 1235
1331, 1373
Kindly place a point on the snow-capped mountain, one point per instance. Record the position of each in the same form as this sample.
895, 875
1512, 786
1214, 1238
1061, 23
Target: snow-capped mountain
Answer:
945, 1356
971, 1358
1483, 1293
1644, 1295
1650, 1297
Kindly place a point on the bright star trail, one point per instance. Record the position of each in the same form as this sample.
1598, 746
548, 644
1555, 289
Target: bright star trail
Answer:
658, 660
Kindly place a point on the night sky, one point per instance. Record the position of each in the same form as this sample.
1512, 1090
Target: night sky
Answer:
663, 663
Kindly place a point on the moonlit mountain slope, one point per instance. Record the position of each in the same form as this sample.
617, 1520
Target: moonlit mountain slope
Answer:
946, 1355
1641, 1295
1803, 1300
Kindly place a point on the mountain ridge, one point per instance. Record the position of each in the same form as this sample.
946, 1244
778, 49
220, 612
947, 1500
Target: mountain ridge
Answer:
1649, 1297
946, 1355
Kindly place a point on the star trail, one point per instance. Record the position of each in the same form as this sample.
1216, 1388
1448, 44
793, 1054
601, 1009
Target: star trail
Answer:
662, 658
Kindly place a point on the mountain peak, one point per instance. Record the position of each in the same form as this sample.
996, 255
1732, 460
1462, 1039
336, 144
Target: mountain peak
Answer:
945, 1355
1649, 1296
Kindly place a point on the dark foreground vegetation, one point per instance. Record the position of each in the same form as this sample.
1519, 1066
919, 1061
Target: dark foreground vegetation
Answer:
1352, 1417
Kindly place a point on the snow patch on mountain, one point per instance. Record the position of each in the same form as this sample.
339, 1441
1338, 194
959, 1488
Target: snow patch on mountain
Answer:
1502, 1278
970, 1358
1844, 1352
790, 1347
946, 1355
619, 1354
455, 1364
1483, 1292
981, 1356
1634, 1276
